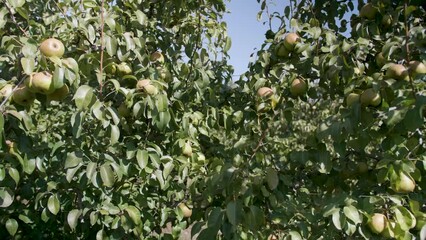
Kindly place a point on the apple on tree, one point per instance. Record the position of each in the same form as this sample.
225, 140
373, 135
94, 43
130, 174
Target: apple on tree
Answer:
52, 47
416, 68
23, 96
397, 71
146, 86
291, 40
59, 94
41, 82
187, 149
157, 57
124, 68
265, 92
298, 87
370, 98
378, 223
352, 98
404, 183
368, 11
185, 210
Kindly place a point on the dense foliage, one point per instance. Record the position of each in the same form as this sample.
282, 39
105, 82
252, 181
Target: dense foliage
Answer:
136, 130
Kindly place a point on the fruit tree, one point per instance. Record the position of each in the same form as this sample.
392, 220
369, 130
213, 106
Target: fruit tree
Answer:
120, 120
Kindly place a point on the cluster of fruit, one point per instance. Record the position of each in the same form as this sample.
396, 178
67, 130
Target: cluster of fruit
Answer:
38, 82
298, 86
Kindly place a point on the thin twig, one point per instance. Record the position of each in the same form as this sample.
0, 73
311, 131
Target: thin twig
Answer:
407, 48
102, 49
12, 16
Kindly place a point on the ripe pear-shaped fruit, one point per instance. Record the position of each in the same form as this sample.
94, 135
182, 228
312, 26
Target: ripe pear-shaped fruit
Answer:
41, 82
23, 96
6, 91
370, 98
378, 223
157, 57
352, 98
397, 71
368, 11
124, 69
185, 210
417, 68
403, 184
380, 59
59, 94
265, 92
290, 41
146, 86
298, 87
52, 48
187, 149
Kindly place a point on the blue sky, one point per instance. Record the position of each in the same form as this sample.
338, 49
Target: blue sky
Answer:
246, 32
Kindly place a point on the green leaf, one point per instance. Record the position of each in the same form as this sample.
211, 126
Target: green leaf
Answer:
161, 102
11, 226
352, 213
6, 197
58, 77
28, 65
53, 204
142, 18
14, 174
134, 214
272, 178
91, 170
142, 158
228, 44
115, 134
111, 45
72, 218
83, 97
73, 159
234, 212
107, 175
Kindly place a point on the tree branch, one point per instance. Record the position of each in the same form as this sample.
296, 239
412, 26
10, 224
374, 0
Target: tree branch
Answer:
12, 16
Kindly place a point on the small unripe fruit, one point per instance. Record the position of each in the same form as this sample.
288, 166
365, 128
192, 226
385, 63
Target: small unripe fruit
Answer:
41, 82
290, 41
378, 223
157, 57
397, 71
52, 48
298, 87
265, 92
370, 98
124, 68
387, 20
281, 50
351, 99
146, 86
368, 11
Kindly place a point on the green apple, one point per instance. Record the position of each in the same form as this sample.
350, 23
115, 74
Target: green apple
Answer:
185, 210
290, 41
52, 47
416, 68
397, 71
157, 57
387, 20
265, 92
298, 87
378, 223
59, 94
41, 82
23, 96
403, 184
370, 98
352, 98
368, 11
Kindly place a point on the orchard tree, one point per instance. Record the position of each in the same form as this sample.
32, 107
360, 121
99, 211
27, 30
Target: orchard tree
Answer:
120, 119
